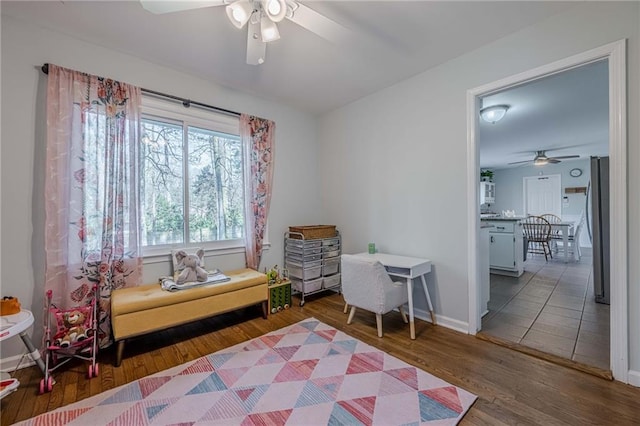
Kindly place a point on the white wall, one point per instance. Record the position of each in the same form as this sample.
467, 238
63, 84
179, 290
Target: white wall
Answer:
393, 165
398, 158
24, 49
509, 189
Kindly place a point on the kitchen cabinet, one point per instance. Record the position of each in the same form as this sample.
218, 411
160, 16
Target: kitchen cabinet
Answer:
506, 247
487, 192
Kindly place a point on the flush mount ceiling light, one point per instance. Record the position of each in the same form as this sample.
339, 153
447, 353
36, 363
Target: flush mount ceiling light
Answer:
494, 113
261, 17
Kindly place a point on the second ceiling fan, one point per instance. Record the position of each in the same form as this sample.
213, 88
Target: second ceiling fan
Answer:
541, 159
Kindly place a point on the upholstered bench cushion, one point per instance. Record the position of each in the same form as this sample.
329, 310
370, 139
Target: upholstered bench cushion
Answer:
139, 310
151, 296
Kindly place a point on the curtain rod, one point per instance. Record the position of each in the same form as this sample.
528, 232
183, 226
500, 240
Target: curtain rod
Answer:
185, 102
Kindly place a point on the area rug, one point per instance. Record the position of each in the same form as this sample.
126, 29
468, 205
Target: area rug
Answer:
306, 374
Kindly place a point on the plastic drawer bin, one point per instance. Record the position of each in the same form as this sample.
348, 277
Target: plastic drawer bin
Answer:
300, 265
332, 281
304, 273
304, 251
335, 251
330, 266
309, 285
331, 241
303, 243
298, 258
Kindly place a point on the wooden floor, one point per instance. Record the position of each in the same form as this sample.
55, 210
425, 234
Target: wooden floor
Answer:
513, 388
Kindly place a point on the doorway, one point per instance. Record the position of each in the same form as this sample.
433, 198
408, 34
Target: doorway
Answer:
615, 54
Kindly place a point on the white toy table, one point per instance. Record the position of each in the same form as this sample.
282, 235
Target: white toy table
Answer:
17, 325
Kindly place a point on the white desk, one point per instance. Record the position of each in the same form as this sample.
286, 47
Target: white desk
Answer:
408, 268
565, 229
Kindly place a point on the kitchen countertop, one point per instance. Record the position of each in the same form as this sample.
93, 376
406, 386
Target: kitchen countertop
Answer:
513, 219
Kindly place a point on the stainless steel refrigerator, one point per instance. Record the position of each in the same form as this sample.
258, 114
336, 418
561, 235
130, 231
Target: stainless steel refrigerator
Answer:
597, 209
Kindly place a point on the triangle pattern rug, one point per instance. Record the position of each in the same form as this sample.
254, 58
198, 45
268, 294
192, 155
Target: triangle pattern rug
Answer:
306, 374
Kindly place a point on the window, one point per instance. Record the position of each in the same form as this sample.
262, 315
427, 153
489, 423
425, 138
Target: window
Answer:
192, 177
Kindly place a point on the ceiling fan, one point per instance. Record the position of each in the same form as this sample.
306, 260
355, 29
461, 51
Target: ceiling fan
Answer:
541, 159
261, 17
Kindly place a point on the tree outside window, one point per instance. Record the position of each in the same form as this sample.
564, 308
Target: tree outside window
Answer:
194, 170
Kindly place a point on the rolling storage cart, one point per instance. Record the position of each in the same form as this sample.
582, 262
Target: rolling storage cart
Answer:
313, 262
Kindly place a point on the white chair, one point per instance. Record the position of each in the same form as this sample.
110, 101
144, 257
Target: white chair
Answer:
366, 285
574, 240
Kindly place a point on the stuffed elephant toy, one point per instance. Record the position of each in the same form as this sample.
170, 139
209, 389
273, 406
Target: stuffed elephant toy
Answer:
191, 267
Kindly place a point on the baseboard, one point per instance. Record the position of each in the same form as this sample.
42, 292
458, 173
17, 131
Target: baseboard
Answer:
634, 378
9, 364
453, 324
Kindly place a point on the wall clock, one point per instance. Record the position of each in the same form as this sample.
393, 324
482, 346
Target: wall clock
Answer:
575, 172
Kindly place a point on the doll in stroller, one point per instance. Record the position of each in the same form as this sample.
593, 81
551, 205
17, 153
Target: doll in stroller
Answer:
76, 336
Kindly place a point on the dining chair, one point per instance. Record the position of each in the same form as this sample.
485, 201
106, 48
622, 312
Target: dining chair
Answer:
537, 231
574, 240
551, 218
555, 233
366, 285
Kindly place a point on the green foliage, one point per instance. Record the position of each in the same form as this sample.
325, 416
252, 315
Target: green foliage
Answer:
168, 216
486, 174
214, 192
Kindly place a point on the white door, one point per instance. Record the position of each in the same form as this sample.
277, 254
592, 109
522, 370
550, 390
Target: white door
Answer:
542, 195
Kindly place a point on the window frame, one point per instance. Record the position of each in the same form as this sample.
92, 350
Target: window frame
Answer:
171, 112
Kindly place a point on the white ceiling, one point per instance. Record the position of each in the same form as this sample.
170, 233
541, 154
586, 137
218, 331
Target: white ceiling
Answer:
389, 41
564, 114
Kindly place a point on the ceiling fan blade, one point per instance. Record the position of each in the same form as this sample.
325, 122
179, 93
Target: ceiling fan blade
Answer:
167, 6
561, 157
256, 48
553, 160
318, 24
521, 162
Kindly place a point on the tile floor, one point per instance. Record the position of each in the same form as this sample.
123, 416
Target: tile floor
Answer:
552, 308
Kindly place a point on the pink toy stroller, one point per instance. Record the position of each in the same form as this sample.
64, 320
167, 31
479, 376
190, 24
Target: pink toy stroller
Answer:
76, 336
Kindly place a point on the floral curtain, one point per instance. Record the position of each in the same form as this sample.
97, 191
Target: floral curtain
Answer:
258, 140
91, 191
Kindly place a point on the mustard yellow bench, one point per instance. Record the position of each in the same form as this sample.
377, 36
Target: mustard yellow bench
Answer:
144, 309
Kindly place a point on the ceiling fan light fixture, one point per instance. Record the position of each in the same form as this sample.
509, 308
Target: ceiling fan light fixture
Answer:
275, 9
540, 161
268, 30
239, 13
494, 113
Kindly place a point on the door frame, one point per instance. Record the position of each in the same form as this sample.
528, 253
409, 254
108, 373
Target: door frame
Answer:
525, 179
615, 53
